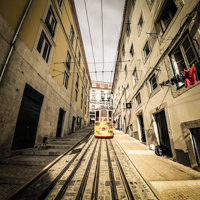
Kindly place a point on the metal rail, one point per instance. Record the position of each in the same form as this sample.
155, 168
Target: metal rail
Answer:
123, 177
66, 184
96, 178
112, 179
85, 177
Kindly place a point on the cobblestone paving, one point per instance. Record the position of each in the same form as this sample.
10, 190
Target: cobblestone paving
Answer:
139, 188
59, 184
118, 181
75, 183
13, 177
104, 192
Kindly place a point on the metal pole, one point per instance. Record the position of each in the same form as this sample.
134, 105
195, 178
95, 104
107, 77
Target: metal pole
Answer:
14, 40
72, 89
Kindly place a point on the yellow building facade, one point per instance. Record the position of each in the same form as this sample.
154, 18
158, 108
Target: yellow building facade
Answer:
44, 81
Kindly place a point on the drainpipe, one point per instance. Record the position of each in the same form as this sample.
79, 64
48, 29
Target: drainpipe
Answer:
14, 40
72, 88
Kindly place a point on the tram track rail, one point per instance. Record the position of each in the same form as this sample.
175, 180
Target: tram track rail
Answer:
100, 167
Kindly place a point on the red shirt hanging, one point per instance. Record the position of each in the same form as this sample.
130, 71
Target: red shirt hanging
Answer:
190, 77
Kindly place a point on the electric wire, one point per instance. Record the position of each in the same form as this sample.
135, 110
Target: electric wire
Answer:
102, 39
90, 37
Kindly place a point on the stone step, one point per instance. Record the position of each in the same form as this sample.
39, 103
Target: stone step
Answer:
44, 152
63, 142
28, 160
58, 146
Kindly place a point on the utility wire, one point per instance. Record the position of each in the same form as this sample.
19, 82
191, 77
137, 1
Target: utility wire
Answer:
90, 37
102, 39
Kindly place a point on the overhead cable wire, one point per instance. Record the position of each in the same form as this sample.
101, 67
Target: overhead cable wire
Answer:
90, 37
102, 39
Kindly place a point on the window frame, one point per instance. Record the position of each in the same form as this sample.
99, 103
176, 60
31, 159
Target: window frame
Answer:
151, 83
136, 99
65, 79
76, 95
68, 60
72, 34
179, 47
48, 21
139, 24
131, 51
128, 29
144, 50
43, 45
134, 77
125, 71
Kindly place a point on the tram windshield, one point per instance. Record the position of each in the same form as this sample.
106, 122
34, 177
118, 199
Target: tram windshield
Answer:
103, 115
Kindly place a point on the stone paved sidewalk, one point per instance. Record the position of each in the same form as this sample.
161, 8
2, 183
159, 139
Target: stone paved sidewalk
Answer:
169, 179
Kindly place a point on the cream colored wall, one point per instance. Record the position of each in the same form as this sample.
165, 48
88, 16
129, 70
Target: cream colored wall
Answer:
179, 109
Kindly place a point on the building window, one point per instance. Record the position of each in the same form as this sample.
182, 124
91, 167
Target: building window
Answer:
127, 91
128, 28
60, 2
50, 21
140, 23
146, 50
153, 83
68, 60
131, 51
77, 79
82, 92
71, 36
168, 14
109, 85
85, 110
93, 90
135, 77
76, 95
102, 85
85, 84
93, 97
79, 58
138, 100
123, 50
125, 70
183, 56
93, 107
65, 80
81, 104
93, 84
44, 47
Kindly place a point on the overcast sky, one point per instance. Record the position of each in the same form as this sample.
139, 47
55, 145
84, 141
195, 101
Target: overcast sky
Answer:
112, 18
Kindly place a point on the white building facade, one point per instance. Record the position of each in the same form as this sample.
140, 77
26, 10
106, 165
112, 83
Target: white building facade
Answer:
100, 97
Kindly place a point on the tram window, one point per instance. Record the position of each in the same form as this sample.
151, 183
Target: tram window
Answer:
97, 115
104, 115
110, 115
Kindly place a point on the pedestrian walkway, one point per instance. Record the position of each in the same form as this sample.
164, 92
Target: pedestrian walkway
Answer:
168, 179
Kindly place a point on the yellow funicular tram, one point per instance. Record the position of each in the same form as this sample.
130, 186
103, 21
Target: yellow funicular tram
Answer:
103, 126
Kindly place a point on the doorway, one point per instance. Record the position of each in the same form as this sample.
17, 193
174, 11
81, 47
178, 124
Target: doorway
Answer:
163, 131
141, 128
196, 143
73, 124
60, 123
27, 121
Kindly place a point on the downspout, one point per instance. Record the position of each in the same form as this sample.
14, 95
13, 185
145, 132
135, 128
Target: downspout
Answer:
14, 40
72, 88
